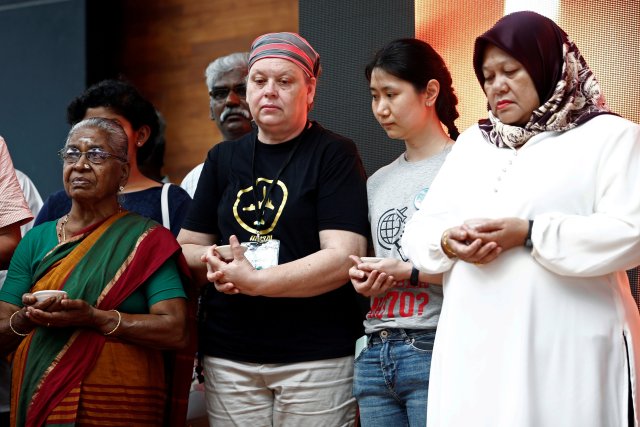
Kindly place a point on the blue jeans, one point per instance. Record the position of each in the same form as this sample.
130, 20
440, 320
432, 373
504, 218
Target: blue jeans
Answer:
391, 378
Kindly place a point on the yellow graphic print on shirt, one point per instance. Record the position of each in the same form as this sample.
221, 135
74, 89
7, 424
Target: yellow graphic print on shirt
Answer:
245, 209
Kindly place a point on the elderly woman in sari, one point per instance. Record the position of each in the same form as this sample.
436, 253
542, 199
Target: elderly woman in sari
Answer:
95, 354
533, 221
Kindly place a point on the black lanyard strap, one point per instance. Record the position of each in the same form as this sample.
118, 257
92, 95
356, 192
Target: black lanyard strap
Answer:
260, 208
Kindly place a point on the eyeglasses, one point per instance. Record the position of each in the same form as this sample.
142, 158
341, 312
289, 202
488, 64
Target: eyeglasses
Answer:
221, 93
97, 156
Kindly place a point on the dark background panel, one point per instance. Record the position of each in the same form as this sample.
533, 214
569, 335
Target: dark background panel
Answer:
105, 37
43, 66
347, 34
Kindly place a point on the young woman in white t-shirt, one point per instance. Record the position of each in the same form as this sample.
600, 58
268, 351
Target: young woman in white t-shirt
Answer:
413, 100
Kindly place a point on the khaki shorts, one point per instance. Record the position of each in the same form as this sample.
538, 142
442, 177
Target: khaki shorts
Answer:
317, 393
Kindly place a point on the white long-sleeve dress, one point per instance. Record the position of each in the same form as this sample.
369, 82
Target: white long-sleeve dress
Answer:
547, 337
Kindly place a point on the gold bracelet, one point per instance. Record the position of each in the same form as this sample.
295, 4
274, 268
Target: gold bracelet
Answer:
117, 324
445, 245
11, 326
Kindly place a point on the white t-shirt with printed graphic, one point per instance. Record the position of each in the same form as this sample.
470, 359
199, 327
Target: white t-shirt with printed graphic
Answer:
395, 192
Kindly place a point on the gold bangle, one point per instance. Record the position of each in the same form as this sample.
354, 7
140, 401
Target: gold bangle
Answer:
11, 326
445, 245
117, 324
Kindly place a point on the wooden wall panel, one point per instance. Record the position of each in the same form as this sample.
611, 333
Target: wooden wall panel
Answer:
167, 46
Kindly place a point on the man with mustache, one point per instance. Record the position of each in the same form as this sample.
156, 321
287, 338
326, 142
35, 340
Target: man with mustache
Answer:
226, 79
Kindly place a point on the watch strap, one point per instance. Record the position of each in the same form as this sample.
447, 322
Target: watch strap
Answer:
414, 280
527, 241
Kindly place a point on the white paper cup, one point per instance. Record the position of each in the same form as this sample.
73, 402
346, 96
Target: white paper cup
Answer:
225, 251
43, 295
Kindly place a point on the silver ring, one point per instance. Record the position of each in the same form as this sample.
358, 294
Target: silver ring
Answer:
86, 166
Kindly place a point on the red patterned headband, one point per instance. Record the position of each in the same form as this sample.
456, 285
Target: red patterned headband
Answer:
289, 46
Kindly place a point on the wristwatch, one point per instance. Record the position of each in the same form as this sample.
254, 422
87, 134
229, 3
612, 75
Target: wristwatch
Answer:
527, 241
414, 277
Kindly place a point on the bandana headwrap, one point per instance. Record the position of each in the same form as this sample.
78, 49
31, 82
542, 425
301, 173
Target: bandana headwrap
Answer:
289, 46
564, 82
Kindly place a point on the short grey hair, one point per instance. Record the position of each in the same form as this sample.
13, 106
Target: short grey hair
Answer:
223, 65
116, 136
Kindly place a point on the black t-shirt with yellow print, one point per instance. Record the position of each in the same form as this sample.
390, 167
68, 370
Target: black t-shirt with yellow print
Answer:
322, 187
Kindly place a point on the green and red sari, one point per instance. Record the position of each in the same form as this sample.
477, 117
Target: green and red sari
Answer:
67, 376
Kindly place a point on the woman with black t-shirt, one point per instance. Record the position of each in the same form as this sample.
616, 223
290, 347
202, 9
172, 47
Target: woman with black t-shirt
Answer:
281, 319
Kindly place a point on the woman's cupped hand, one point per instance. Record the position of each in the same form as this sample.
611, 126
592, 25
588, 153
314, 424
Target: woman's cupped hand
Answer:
58, 312
374, 278
232, 276
482, 240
